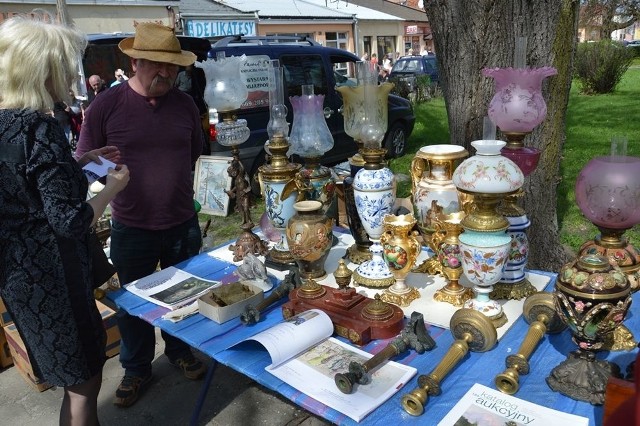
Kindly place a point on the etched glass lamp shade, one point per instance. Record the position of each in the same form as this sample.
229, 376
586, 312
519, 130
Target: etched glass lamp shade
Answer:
310, 135
608, 194
226, 89
518, 105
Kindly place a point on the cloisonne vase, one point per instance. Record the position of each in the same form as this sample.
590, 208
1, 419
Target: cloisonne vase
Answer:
592, 296
309, 236
485, 245
400, 249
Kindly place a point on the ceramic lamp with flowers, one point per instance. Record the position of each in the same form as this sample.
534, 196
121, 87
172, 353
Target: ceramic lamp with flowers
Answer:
488, 176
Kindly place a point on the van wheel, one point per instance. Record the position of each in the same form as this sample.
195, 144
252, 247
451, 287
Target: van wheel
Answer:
396, 140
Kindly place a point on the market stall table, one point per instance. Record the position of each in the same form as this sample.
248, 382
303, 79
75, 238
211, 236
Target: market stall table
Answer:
222, 342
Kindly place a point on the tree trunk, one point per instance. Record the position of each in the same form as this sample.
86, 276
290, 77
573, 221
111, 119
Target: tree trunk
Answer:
472, 35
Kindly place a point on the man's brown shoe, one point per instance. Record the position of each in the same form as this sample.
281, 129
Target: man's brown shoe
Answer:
191, 366
129, 390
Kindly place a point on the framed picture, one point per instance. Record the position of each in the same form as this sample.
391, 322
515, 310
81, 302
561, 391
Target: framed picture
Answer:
210, 182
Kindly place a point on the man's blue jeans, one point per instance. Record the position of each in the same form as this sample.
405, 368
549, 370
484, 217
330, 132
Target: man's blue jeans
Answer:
135, 253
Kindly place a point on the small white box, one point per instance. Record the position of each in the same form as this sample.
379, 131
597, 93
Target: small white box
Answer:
210, 309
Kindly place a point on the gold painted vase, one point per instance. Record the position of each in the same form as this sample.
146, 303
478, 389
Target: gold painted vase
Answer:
309, 236
400, 249
432, 190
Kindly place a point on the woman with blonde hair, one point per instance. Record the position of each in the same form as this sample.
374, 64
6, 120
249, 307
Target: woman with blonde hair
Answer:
45, 261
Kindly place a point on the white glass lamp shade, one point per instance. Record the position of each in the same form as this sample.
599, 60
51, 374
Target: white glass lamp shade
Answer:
226, 90
488, 172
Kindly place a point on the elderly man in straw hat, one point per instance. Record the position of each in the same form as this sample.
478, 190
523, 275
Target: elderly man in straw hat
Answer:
157, 129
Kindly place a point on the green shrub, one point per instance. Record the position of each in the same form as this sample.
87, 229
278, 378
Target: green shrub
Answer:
635, 50
599, 66
426, 90
401, 87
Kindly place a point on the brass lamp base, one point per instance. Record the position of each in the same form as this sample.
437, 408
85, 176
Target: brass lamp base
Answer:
498, 320
358, 254
455, 297
403, 299
620, 339
583, 377
280, 260
515, 291
248, 242
383, 282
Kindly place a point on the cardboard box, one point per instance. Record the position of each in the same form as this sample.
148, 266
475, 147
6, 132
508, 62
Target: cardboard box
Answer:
5, 318
210, 309
111, 325
5, 353
21, 358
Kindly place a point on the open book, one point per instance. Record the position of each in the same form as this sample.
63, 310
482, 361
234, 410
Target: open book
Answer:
485, 406
304, 356
171, 287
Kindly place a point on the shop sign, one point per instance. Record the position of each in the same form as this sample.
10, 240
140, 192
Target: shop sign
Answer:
207, 29
411, 29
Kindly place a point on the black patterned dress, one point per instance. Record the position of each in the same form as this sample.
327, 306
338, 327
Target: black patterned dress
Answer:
44, 259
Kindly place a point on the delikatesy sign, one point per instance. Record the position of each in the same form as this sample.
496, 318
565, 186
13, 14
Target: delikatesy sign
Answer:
206, 28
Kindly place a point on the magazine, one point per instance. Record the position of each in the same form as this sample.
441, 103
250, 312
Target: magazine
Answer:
171, 287
304, 356
483, 406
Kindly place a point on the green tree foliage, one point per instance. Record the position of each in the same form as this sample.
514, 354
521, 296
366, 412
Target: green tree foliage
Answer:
599, 66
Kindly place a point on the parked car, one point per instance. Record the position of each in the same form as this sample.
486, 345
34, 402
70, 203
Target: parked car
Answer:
305, 62
633, 43
408, 68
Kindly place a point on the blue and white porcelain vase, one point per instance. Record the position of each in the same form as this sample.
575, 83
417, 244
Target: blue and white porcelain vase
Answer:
375, 194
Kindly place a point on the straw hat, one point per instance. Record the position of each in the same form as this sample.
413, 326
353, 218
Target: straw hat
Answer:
156, 42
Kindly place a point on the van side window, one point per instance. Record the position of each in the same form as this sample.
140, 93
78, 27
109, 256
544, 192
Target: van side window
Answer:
304, 69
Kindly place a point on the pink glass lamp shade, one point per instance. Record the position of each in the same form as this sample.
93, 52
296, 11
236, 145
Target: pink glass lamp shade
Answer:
608, 192
518, 105
526, 158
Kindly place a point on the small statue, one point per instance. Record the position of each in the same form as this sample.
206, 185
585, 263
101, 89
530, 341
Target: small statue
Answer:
254, 271
241, 191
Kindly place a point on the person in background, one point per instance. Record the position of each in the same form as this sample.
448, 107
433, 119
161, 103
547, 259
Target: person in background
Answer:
365, 57
424, 50
374, 59
383, 75
45, 262
387, 63
120, 77
157, 127
184, 80
62, 113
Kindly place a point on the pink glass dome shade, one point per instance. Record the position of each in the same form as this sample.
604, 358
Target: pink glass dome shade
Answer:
526, 158
608, 191
518, 105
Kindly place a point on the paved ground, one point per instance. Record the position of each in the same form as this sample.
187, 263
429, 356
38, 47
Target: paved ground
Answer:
233, 399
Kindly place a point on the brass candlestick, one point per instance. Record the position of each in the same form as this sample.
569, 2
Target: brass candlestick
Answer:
473, 331
414, 336
540, 312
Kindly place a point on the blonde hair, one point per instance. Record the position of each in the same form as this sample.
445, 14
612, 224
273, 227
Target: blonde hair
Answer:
39, 61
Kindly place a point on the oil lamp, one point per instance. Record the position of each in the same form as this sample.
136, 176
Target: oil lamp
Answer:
484, 244
608, 194
225, 92
277, 177
310, 138
517, 108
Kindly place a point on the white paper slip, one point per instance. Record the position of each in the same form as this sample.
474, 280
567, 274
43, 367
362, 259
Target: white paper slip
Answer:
95, 171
